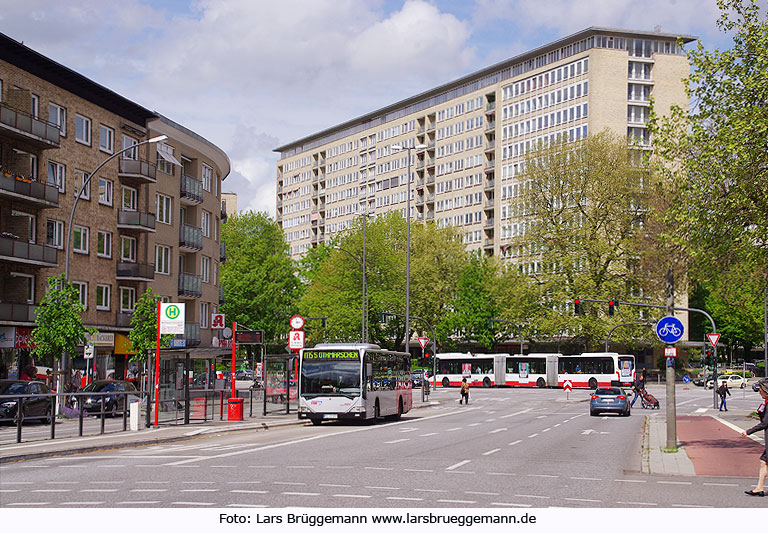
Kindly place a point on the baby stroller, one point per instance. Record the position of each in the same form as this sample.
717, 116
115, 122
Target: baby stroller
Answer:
648, 400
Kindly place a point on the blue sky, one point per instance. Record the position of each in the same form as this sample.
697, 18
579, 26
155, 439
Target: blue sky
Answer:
251, 75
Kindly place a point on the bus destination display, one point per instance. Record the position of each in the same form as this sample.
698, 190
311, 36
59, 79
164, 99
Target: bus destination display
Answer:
331, 355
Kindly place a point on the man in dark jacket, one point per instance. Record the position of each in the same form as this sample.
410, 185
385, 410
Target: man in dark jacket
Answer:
722, 390
639, 386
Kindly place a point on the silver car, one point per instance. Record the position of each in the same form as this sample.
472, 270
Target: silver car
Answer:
609, 400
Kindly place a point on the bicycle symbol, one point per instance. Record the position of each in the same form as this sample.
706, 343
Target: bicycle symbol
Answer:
670, 329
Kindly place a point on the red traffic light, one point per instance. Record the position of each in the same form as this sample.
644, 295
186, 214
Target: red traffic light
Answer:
577, 306
611, 307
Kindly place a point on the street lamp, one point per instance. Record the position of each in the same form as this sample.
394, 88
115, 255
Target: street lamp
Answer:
363, 329
87, 181
397, 148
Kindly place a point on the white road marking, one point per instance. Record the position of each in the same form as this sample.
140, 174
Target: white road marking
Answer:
9, 490
149, 490
301, 493
191, 503
721, 484
629, 480
542, 416
531, 496
482, 493
516, 442
497, 430
453, 429
377, 468
545, 430
556, 426
475, 424
700, 410
351, 496
408, 430
248, 491
417, 470
457, 465
134, 502
542, 475
582, 500
429, 490
492, 451
515, 414
675, 482
503, 504
16, 483
290, 483
501, 473
468, 502
491, 420
30, 503
427, 434
76, 482
52, 490
383, 488
637, 503
334, 485
404, 498
588, 478
531, 436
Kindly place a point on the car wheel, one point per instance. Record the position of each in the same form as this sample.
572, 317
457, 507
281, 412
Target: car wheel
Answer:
592, 413
113, 411
592, 383
47, 419
446, 383
316, 421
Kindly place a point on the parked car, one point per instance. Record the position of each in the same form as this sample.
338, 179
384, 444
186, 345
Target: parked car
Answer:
701, 380
37, 406
609, 400
114, 402
734, 381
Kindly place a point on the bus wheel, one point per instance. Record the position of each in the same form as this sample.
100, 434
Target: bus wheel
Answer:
486, 383
316, 421
446, 383
592, 383
376, 412
399, 410
540, 383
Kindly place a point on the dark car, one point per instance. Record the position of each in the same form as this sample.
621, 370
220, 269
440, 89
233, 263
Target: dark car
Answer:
609, 400
37, 405
110, 391
417, 379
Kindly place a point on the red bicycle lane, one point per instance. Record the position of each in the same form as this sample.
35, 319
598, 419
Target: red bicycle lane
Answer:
716, 449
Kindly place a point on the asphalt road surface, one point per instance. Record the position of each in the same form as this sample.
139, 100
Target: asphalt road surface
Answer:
508, 448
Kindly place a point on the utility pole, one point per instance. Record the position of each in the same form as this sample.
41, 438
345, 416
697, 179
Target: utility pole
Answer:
671, 407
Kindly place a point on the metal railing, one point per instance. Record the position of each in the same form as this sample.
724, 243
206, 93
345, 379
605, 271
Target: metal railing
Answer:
137, 168
30, 125
27, 251
32, 189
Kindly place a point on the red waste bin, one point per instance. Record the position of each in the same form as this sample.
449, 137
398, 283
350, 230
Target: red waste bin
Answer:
198, 408
235, 409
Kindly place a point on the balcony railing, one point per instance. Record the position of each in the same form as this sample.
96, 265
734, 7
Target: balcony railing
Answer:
191, 190
17, 312
191, 237
138, 170
36, 192
136, 220
222, 299
124, 319
222, 253
190, 285
26, 252
135, 271
490, 125
28, 128
192, 333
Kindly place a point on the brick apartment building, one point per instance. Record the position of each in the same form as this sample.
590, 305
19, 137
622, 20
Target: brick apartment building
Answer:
149, 218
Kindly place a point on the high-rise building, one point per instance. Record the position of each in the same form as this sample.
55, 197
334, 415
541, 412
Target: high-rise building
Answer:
476, 131
148, 218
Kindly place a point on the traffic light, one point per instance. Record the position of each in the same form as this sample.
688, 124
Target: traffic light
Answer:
577, 306
611, 306
710, 358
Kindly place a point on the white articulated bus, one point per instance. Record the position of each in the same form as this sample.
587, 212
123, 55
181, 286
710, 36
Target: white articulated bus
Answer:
480, 370
353, 381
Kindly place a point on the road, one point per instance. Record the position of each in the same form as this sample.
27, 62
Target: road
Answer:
508, 448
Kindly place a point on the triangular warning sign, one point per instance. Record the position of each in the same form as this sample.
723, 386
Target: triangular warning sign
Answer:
713, 338
423, 342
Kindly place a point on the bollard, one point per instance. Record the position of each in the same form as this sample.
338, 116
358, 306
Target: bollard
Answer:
134, 415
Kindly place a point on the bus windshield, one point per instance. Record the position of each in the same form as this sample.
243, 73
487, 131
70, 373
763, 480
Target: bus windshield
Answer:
330, 378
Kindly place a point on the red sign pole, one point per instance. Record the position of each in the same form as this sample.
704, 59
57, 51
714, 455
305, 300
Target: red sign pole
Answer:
157, 367
234, 329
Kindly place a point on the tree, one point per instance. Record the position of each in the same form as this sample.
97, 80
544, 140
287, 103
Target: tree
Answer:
581, 207
59, 325
143, 334
261, 287
715, 154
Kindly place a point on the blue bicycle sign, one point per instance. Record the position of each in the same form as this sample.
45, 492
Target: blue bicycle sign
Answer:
669, 329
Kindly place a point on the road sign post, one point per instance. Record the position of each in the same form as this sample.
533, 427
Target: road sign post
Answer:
567, 387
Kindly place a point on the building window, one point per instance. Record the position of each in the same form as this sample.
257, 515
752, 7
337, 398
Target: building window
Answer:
163, 164
162, 259
35, 107
80, 178
164, 208
204, 314
206, 223
82, 290
128, 249
205, 268
105, 191
130, 198
57, 116
33, 166
103, 296
57, 175
106, 139
127, 143
80, 239
127, 299
55, 233
207, 177
104, 244
82, 129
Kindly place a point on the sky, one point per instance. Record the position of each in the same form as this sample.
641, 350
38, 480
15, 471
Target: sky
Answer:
252, 75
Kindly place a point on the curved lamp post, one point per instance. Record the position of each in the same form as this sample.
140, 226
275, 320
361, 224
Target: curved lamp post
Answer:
87, 181
397, 148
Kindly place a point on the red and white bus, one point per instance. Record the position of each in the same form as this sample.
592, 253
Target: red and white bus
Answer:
480, 370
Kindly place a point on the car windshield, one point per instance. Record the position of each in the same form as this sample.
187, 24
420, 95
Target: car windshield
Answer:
608, 392
100, 387
330, 378
13, 388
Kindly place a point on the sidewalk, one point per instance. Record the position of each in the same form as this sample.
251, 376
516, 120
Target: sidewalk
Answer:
149, 436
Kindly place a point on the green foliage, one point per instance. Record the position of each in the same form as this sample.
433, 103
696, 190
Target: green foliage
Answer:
143, 334
261, 287
59, 324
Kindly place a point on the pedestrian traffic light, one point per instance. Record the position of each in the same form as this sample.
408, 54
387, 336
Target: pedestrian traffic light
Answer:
576, 306
611, 306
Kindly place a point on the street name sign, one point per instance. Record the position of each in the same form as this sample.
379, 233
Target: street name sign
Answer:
670, 351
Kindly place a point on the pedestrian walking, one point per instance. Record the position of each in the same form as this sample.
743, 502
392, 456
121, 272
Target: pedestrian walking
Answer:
722, 390
639, 386
759, 489
464, 391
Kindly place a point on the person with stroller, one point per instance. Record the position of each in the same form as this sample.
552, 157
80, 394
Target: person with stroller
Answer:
763, 425
722, 390
464, 391
639, 386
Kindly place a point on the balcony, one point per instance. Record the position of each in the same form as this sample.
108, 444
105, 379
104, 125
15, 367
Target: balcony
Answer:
488, 244
33, 193
17, 312
135, 221
490, 107
489, 185
190, 285
191, 238
191, 192
191, 333
490, 126
135, 272
18, 251
28, 129
489, 204
124, 319
222, 253
224, 211
490, 167
488, 224
490, 146
137, 171
222, 299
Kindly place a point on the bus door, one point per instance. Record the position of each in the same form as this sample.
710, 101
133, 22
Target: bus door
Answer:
552, 379
500, 370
